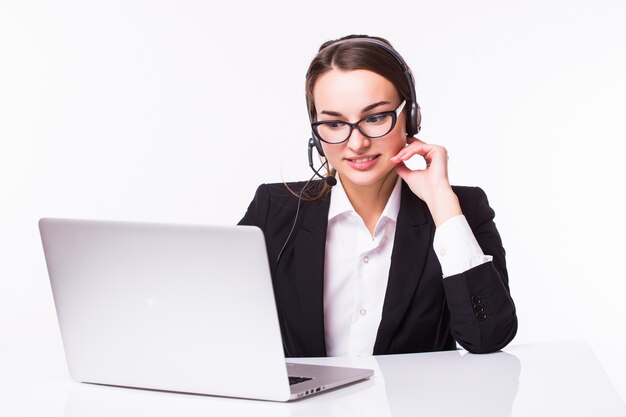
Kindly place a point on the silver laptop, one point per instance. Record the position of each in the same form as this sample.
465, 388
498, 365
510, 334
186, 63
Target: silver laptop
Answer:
174, 307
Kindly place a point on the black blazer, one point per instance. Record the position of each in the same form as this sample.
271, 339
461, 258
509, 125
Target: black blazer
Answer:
422, 311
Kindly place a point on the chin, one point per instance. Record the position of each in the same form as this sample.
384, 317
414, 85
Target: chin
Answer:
364, 179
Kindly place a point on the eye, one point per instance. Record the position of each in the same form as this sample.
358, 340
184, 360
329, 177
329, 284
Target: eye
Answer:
334, 125
376, 119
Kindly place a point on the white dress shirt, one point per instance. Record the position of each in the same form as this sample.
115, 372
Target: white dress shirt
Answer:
356, 268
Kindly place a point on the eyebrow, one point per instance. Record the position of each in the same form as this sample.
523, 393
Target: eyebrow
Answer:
365, 109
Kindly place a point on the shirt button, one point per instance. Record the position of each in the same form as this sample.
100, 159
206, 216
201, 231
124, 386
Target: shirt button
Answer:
366, 259
442, 252
363, 312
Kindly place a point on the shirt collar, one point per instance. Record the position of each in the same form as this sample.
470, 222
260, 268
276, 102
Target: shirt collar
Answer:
339, 202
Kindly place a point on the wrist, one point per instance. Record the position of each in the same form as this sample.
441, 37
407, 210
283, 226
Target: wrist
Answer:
443, 205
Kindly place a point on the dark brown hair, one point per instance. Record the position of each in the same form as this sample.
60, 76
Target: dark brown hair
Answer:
353, 55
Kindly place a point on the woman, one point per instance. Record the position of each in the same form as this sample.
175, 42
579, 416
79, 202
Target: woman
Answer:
389, 260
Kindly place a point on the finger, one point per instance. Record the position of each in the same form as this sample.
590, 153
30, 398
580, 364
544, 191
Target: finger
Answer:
439, 155
416, 148
437, 162
431, 153
406, 149
403, 171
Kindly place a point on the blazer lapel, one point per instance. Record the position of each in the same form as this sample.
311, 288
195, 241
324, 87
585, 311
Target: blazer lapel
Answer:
412, 241
309, 254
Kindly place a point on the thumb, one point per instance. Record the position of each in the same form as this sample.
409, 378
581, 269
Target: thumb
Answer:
403, 171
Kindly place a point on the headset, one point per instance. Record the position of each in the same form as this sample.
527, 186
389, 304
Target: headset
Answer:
413, 127
414, 120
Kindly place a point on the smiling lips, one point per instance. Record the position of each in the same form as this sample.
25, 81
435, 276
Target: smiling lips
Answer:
362, 163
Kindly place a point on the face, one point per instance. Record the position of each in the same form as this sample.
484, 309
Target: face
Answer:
349, 96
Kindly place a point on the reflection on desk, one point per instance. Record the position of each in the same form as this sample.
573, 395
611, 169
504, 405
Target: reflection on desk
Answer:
531, 380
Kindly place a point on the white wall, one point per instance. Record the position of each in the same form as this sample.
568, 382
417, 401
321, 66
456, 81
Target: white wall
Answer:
149, 110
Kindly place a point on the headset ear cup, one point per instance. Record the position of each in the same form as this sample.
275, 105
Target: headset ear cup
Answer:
410, 120
317, 143
414, 120
417, 119
411, 125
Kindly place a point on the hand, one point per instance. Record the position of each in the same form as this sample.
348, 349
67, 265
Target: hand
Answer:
430, 184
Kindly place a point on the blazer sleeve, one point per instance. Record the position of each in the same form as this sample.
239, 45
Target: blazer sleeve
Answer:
482, 312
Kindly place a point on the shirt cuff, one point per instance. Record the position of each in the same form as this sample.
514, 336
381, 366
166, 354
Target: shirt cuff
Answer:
456, 247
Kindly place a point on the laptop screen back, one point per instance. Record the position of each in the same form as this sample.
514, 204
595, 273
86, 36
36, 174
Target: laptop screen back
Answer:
171, 307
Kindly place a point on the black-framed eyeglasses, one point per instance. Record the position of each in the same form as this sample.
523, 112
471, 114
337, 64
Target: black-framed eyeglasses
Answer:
372, 126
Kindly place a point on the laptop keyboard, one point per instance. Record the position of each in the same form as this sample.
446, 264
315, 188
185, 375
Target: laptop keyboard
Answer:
297, 379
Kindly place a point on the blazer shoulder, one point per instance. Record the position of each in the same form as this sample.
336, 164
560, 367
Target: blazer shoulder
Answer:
275, 200
474, 204
287, 194
468, 194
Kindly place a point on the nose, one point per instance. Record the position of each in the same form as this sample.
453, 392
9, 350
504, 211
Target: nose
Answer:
357, 141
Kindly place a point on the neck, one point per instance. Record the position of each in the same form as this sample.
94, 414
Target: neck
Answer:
369, 201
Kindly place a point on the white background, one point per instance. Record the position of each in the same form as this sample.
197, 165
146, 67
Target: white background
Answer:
175, 111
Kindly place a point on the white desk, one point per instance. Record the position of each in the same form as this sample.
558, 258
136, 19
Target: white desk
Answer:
555, 379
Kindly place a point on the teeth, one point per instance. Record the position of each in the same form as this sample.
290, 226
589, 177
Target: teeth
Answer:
364, 159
